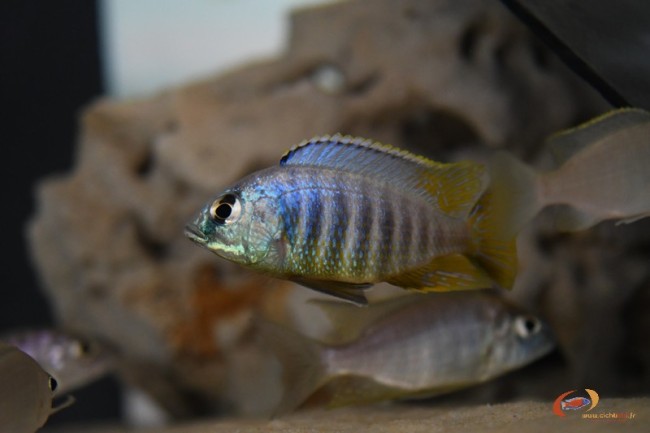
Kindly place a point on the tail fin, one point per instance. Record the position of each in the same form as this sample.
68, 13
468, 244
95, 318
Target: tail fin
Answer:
301, 358
495, 250
515, 191
510, 201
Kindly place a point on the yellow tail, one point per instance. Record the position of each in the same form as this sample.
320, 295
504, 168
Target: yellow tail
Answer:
515, 195
491, 258
494, 251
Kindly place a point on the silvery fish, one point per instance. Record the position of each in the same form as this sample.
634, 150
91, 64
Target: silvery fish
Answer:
417, 347
26, 393
340, 214
72, 360
603, 174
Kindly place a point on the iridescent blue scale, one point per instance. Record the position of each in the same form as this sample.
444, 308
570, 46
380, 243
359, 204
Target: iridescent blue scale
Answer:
337, 231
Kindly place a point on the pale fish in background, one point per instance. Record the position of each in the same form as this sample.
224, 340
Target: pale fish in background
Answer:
417, 347
26, 392
72, 360
603, 174
340, 214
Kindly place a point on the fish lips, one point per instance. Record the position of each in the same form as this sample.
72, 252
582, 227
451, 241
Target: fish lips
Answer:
193, 232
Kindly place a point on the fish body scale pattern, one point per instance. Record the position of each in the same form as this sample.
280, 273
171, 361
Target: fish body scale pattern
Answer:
339, 226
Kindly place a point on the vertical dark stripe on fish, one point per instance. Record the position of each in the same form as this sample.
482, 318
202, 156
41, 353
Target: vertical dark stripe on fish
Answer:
407, 232
396, 252
325, 228
343, 233
294, 203
440, 238
287, 213
337, 210
303, 198
426, 222
364, 227
313, 225
388, 232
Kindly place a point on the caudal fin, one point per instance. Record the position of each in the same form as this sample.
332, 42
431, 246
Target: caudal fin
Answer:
495, 249
514, 195
510, 201
302, 364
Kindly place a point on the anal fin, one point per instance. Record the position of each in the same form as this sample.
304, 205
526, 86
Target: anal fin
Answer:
354, 389
445, 273
351, 292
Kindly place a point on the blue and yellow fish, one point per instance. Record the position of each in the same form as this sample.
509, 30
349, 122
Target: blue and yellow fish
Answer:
340, 214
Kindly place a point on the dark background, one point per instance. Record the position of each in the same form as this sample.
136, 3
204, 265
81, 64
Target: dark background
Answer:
50, 68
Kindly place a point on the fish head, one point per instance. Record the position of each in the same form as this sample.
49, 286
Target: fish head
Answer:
241, 225
72, 359
77, 361
28, 390
519, 338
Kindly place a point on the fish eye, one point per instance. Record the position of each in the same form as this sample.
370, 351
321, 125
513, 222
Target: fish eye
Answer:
53, 384
84, 347
525, 326
225, 209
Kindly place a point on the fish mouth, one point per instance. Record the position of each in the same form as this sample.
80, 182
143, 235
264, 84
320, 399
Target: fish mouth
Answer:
195, 235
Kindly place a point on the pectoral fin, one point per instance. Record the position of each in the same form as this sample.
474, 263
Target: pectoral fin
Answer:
347, 291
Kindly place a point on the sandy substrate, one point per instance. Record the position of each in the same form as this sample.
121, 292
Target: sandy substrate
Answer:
503, 418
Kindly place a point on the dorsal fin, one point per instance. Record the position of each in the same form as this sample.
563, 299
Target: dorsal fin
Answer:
565, 144
453, 188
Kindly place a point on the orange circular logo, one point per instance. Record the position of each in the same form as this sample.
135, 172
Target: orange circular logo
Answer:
565, 402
